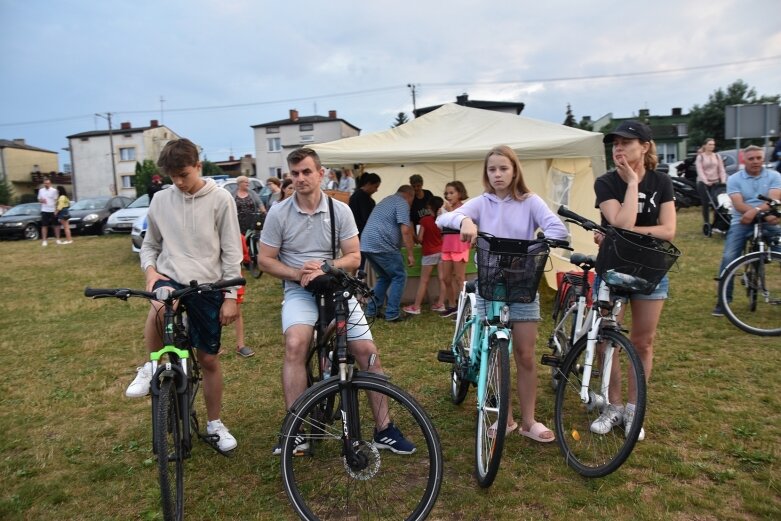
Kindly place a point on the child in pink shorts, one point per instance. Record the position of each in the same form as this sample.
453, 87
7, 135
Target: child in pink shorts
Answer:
455, 254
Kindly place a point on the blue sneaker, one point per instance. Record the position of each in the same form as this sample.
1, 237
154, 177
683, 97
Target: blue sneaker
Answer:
392, 439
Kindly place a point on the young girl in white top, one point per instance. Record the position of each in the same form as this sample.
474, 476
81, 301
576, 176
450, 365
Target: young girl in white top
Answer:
509, 209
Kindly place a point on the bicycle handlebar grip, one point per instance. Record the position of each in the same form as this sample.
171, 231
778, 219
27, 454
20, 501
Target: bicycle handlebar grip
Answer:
99, 292
238, 281
569, 214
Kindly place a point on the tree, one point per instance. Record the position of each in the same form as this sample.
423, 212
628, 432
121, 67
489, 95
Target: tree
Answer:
401, 118
586, 124
210, 168
707, 121
6, 192
570, 120
144, 173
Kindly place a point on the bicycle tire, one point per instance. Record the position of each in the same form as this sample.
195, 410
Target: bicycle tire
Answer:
564, 331
760, 274
459, 385
170, 454
321, 486
493, 411
588, 453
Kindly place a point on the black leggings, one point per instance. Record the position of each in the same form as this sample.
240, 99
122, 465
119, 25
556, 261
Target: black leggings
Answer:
704, 190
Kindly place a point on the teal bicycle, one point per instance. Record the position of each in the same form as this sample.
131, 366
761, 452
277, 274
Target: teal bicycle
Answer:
508, 271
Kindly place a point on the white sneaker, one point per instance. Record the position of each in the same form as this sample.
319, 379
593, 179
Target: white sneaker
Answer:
139, 387
612, 416
629, 416
226, 440
67, 242
60, 242
44, 243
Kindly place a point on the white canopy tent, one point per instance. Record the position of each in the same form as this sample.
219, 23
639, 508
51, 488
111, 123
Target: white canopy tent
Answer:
559, 163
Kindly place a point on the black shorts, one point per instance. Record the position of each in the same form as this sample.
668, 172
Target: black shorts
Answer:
203, 317
48, 219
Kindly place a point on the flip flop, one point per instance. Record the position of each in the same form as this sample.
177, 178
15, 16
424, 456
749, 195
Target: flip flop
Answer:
536, 433
508, 430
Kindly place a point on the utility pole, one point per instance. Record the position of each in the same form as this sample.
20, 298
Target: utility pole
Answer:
162, 100
107, 117
411, 86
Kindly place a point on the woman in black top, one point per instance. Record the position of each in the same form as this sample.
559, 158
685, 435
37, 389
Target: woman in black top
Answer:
636, 197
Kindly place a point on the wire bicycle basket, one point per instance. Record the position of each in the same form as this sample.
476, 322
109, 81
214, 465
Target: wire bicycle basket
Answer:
509, 270
643, 257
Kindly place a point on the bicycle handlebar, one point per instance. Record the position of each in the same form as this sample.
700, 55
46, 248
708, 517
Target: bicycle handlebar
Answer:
194, 287
553, 243
587, 224
356, 284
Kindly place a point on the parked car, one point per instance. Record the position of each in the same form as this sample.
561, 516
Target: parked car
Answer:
90, 215
23, 221
255, 184
122, 220
137, 234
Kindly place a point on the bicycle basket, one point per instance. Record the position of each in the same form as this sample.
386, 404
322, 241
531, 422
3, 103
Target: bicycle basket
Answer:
509, 270
642, 256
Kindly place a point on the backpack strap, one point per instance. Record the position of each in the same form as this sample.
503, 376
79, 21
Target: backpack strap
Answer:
333, 227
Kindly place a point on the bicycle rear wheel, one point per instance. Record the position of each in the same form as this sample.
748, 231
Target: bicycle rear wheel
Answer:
589, 453
170, 453
564, 320
323, 486
756, 305
459, 385
493, 412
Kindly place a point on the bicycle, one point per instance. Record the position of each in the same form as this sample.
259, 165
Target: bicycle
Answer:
174, 386
252, 237
508, 271
343, 474
591, 353
759, 272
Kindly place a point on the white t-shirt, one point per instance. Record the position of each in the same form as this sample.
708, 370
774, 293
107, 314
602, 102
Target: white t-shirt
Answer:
49, 195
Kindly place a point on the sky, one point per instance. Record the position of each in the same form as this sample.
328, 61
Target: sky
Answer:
220, 66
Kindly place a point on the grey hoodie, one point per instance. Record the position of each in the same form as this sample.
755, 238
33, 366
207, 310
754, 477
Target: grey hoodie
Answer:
193, 237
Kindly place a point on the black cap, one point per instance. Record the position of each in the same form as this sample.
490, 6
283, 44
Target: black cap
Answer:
631, 130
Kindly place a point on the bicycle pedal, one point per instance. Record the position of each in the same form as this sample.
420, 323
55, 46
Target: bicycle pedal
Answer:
446, 356
551, 360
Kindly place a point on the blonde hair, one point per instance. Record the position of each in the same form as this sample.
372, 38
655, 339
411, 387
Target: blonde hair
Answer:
519, 189
650, 160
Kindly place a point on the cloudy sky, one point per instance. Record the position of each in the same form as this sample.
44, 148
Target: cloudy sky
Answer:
223, 65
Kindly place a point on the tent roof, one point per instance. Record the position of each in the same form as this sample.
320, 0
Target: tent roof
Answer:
457, 133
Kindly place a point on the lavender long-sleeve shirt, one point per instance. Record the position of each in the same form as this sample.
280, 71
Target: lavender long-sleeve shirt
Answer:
508, 217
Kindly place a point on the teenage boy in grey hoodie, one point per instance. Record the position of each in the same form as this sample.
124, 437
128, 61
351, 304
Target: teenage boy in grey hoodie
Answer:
192, 234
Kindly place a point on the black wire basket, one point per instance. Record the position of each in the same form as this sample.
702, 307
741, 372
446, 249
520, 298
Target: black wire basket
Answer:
509, 270
646, 259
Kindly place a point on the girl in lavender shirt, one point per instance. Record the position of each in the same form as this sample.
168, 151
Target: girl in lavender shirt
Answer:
509, 209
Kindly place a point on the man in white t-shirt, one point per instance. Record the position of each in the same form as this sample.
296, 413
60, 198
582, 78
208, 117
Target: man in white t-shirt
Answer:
47, 196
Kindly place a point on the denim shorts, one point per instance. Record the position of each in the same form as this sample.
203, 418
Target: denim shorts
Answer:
519, 311
300, 307
659, 292
203, 317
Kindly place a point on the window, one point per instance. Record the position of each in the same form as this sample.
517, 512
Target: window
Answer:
306, 127
274, 171
309, 138
667, 152
272, 130
682, 129
127, 154
128, 181
274, 144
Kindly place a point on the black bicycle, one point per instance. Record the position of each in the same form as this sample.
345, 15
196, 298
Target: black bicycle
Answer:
343, 474
758, 271
253, 237
177, 377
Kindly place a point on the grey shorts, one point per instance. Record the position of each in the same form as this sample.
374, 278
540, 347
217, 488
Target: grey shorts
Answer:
431, 260
300, 307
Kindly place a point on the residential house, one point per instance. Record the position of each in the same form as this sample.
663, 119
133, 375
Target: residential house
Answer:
670, 132
509, 107
22, 165
276, 139
92, 155
235, 167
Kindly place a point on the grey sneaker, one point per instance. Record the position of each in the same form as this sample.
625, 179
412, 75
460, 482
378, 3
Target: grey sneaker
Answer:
139, 387
610, 417
629, 416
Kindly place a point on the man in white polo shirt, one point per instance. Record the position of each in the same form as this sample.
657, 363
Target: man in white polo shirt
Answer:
47, 196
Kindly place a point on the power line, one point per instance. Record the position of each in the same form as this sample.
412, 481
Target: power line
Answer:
400, 87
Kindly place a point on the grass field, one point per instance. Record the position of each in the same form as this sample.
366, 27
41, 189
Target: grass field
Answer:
73, 447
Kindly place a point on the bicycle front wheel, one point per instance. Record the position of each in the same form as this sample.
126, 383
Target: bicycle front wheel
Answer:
492, 412
617, 376
756, 305
170, 453
322, 485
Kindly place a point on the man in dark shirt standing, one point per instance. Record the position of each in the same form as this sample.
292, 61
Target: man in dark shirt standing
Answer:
361, 202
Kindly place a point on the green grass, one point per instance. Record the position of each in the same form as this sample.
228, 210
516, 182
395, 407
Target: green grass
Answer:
73, 447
